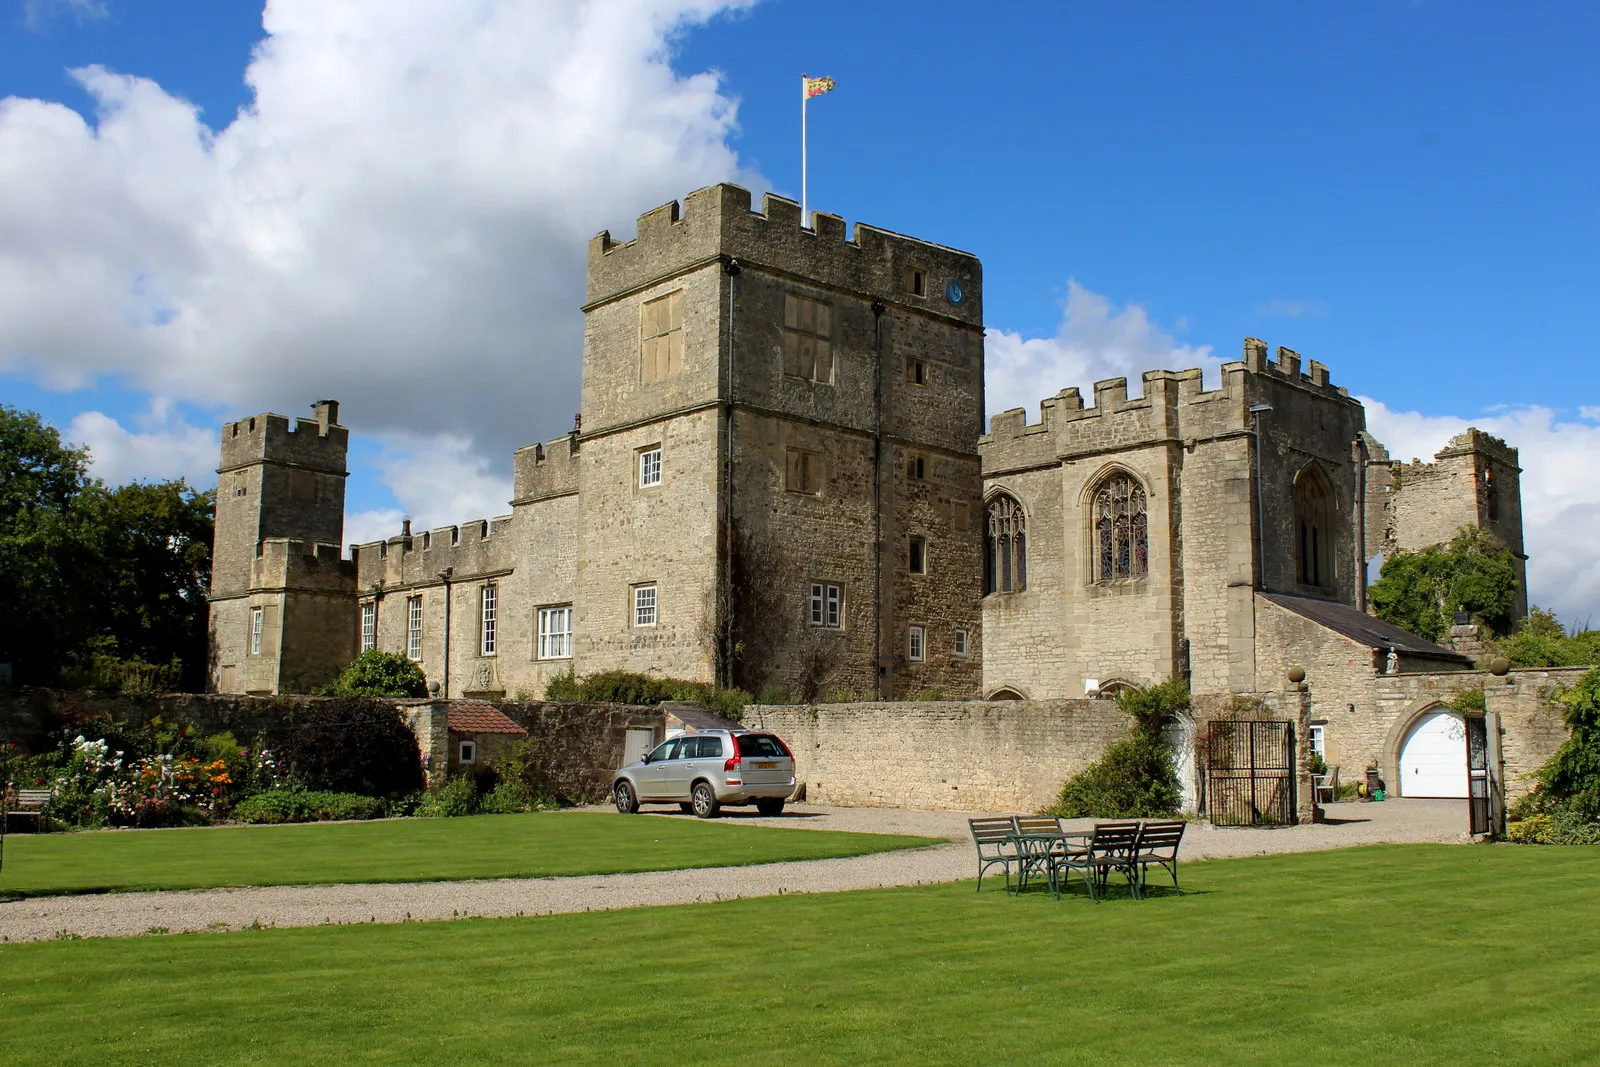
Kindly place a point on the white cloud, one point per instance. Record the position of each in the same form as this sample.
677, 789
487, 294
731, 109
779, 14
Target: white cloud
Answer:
398, 220
166, 448
37, 13
1560, 493
1096, 340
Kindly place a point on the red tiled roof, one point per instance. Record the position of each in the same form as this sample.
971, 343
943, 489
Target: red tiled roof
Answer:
478, 717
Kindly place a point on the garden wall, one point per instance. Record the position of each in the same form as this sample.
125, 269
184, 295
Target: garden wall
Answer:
1010, 755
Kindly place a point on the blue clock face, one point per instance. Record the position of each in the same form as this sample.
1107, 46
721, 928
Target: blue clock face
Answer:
955, 291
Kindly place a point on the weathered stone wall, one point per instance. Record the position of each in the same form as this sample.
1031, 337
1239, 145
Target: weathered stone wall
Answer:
1530, 721
966, 755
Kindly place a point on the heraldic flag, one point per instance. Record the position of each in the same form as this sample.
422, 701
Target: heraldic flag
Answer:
818, 86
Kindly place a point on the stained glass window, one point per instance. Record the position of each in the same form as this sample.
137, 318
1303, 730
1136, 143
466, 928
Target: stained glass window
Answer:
1121, 530
1005, 553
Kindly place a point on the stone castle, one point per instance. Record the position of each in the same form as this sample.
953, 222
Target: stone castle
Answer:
780, 479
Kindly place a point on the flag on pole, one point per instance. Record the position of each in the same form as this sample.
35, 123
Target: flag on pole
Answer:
817, 86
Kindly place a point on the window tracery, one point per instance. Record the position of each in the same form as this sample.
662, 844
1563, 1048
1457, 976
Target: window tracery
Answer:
1005, 547
1121, 530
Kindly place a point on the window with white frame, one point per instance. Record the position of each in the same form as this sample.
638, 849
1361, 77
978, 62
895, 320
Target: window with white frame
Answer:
255, 631
469, 752
369, 626
644, 605
917, 643
649, 468
827, 605
961, 642
555, 632
1314, 735
489, 598
414, 627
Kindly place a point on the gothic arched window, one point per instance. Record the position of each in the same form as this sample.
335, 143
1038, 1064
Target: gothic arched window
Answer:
1121, 530
1005, 555
1313, 529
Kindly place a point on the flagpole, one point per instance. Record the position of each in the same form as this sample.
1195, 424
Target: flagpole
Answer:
803, 98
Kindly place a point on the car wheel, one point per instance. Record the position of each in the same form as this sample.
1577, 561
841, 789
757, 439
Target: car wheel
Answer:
705, 801
685, 807
770, 806
626, 799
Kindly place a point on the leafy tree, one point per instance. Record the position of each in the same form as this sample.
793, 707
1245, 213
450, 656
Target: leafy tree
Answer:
1541, 641
350, 745
1135, 778
1422, 591
381, 674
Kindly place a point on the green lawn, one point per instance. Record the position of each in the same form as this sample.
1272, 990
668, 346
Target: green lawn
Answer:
1392, 955
407, 850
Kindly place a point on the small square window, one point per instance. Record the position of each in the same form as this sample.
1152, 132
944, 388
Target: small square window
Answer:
644, 605
919, 555
827, 605
916, 372
917, 644
650, 467
469, 752
916, 468
916, 282
961, 642
802, 471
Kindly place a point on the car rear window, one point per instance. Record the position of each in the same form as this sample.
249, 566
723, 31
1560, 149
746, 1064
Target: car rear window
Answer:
761, 746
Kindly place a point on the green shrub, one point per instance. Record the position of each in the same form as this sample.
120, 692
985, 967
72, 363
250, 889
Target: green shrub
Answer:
381, 674
350, 745
774, 695
562, 687
302, 805
458, 797
627, 687
1563, 826
1135, 779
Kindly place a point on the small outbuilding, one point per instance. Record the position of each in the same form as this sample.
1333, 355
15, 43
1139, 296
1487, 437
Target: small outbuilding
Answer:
480, 733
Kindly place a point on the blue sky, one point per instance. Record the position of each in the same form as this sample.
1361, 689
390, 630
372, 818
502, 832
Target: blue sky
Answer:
1403, 190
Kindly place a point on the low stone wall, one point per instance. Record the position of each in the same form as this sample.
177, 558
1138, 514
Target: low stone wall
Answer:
30, 718
1531, 728
1009, 755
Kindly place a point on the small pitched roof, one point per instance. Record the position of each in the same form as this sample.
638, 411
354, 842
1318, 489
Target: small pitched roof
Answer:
1362, 628
480, 717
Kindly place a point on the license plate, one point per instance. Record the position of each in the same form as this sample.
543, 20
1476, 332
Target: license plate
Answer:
765, 766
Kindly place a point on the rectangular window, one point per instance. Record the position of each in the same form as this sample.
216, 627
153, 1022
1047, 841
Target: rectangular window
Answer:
916, 282
827, 605
916, 643
916, 372
919, 555
255, 631
369, 626
960, 516
961, 642
644, 605
555, 632
802, 471
469, 752
1314, 735
916, 468
807, 339
661, 337
414, 627
490, 597
649, 468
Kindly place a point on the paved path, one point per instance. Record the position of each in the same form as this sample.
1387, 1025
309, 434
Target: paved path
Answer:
128, 914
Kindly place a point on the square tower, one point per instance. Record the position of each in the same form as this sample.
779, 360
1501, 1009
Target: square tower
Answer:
778, 466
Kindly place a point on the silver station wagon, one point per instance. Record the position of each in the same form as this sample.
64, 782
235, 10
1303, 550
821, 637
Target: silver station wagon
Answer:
706, 770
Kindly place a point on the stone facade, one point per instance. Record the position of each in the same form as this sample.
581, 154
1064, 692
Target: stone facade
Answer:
772, 484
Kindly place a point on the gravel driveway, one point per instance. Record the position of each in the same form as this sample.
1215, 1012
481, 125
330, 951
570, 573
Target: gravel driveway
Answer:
127, 914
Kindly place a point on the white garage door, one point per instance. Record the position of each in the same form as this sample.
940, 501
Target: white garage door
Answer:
1433, 759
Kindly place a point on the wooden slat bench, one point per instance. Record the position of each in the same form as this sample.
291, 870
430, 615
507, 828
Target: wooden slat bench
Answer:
34, 803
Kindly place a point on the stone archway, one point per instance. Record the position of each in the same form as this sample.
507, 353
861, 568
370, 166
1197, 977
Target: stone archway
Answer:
1006, 692
1425, 734
1179, 733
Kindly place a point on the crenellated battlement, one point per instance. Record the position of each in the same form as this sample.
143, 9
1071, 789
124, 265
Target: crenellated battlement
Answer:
290, 562
481, 546
318, 443
717, 222
1287, 368
545, 470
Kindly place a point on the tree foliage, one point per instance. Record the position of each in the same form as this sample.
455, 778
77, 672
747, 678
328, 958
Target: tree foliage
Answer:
1136, 778
351, 745
1422, 591
381, 674
99, 584
1541, 641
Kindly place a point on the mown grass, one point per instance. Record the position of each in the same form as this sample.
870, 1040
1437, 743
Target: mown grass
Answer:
407, 850
1391, 954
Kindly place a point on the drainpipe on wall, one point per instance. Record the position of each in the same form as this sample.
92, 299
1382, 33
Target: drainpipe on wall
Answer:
444, 684
1256, 411
1358, 459
877, 500
725, 654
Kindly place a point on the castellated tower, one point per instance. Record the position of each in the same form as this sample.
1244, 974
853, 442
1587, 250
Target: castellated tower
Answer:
1475, 480
281, 599
778, 467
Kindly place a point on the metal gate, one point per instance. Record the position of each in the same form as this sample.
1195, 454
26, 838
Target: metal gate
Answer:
1250, 773
1478, 775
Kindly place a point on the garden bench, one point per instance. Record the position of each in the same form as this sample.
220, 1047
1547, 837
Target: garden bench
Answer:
1111, 847
1158, 844
1325, 785
31, 802
993, 836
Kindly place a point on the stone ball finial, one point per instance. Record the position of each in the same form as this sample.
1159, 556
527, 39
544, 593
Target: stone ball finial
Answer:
1499, 666
433, 688
1297, 674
